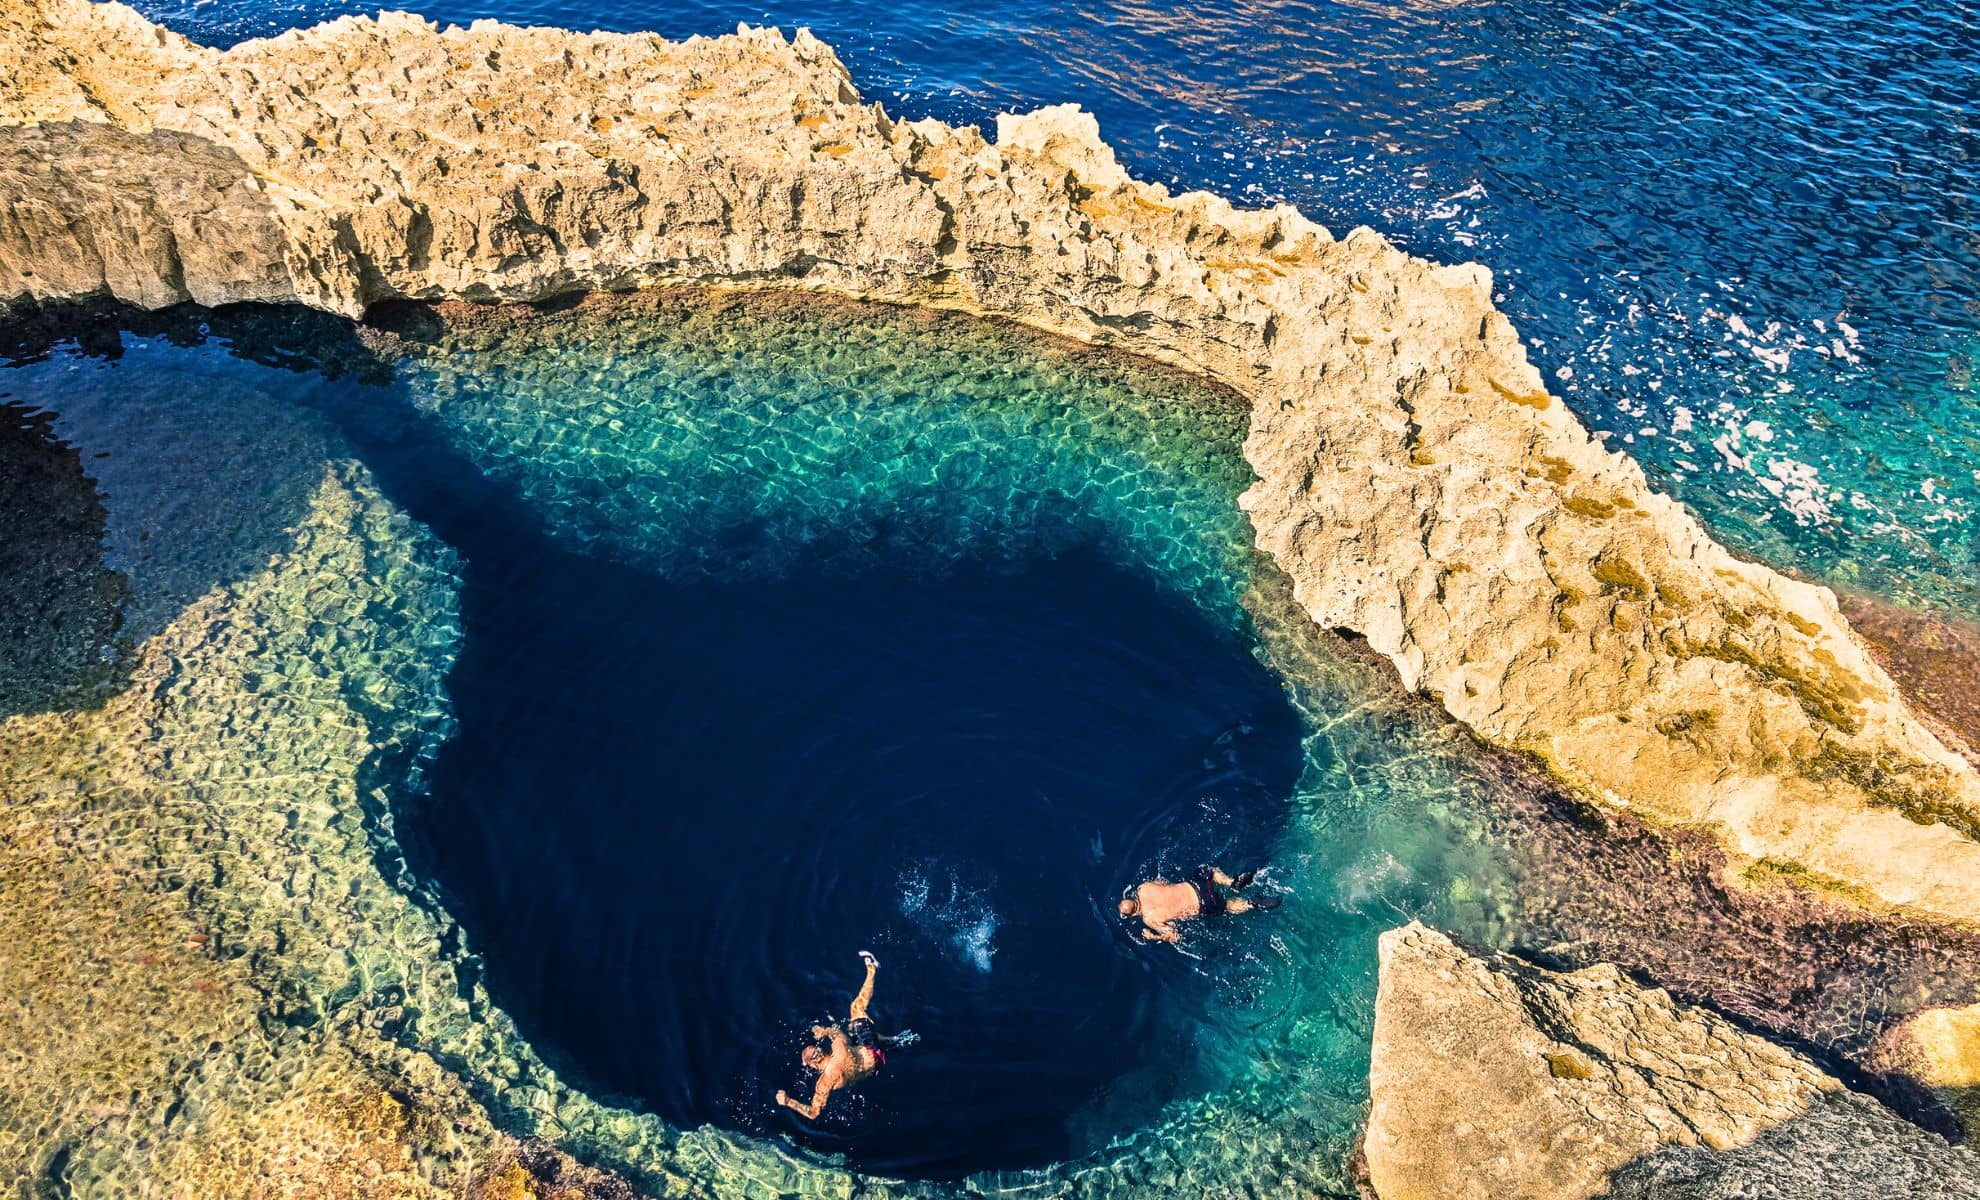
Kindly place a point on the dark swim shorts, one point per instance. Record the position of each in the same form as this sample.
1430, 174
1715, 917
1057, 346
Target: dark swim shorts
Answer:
1208, 899
860, 1032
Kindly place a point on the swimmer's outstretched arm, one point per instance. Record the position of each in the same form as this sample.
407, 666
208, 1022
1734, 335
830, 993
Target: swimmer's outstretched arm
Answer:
808, 1111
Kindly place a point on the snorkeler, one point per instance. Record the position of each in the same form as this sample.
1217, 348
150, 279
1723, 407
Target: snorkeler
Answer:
851, 1055
1160, 904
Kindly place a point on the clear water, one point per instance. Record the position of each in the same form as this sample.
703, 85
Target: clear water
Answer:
910, 699
734, 636
846, 628
1739, 237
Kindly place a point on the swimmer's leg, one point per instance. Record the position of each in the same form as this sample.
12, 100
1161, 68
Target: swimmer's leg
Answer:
865, 996
1237, 904
1218, 877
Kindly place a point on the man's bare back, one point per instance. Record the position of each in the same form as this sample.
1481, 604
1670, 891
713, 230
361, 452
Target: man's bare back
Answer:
846, 1060
1160, 903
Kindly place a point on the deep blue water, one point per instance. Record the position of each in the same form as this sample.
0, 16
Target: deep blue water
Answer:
675, 808
1740, 237
674, 814
897, 697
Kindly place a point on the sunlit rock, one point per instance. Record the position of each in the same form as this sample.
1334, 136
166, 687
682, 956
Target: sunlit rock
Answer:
1497, 1080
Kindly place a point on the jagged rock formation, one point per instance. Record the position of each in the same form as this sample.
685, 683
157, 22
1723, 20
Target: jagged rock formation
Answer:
1416, 480
1494, 1079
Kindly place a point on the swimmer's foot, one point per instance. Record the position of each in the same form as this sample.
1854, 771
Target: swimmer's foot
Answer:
1243, 881
866, 956
1267, 903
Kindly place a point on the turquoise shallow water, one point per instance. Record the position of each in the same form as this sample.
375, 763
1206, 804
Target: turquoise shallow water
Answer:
707, 442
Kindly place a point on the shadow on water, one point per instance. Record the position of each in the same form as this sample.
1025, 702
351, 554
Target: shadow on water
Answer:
58, 602
121, 506
198, 477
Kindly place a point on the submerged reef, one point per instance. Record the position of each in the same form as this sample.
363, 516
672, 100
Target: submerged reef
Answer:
237, 987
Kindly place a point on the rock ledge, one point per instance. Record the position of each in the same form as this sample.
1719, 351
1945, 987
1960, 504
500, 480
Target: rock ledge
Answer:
1416, 480
1492, 1079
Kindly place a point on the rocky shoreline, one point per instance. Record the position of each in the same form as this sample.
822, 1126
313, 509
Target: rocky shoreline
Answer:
1416, 482
1493, 1079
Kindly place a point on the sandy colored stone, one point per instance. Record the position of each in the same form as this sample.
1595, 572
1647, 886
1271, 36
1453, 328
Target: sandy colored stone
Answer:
1494, 1079
1949, 1039
1940, 1049
1416, 479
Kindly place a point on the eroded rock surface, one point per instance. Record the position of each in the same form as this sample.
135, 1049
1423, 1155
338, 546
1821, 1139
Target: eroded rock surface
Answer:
1495, 1079
1417, 481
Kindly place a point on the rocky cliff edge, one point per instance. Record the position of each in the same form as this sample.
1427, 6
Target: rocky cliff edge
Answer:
1416, 479
1494, 1079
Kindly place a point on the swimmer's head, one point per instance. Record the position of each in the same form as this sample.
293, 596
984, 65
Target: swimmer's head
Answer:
1130, 906
811, 1056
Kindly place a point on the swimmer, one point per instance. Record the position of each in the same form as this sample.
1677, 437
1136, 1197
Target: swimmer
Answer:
1160, 904
851, 1055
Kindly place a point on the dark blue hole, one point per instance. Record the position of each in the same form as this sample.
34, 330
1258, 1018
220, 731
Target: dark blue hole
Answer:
673, 815
674, 812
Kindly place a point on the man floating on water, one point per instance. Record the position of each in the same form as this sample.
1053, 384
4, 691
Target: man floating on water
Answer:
1160, 904
851, 1055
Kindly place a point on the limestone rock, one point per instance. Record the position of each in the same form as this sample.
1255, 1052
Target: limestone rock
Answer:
1940, 1049
1416, 480
1495, 1079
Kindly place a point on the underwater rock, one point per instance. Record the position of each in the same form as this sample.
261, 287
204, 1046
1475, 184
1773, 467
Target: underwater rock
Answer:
1939, 1048
58, 601
1933, 656
1416, 479
1494, 1078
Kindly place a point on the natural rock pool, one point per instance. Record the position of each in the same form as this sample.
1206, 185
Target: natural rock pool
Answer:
568, 694
853, 670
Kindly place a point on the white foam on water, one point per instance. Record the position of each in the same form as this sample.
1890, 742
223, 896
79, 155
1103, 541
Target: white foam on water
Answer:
939, 901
